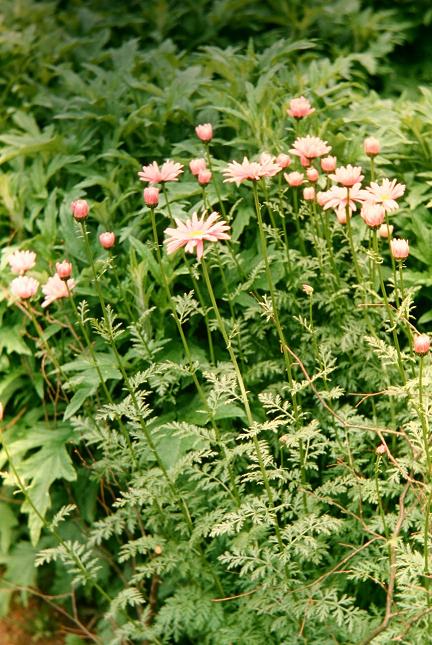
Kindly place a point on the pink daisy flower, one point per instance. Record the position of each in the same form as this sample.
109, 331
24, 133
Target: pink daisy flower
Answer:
21, 261
169, 171
56, 288
194, 231
386, 193
269, 165
24, 287
337, 198
310, 147
347, 175
238, 172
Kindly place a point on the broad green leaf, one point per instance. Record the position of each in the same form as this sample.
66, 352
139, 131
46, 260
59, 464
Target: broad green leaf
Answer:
7, 522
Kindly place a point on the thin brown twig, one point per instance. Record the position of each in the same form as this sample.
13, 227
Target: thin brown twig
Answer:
392, 572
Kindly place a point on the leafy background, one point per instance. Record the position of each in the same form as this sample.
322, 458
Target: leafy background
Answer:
89, 93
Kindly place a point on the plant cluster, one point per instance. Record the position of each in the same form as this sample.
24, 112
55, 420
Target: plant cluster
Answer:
216, 416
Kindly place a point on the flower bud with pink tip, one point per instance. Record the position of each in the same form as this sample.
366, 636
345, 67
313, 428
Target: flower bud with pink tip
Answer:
321, 198
328, 164
385, 230
294, 178
64, 269
371, 146
299, 108
204, 132
151, 196
204, 177
312, 174
107, 239
373, 214
305, 162
195, 165
399, 249
309, 193
24, 287
80, 209
341, 215
422, 344
283, 160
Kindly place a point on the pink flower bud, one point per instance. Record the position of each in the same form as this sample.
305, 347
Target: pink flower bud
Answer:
294, 178
1, 411
195, 165
385, 230
64, 269
204, 132
328, 164
283, 160
422, 344
312, 174
300, 108
373, 214
204, 177
151, 196
399, 249
80, 209
24, 287
107, 239
321, 198
371, 146
305, 162
309, 193
381, 449
341, 215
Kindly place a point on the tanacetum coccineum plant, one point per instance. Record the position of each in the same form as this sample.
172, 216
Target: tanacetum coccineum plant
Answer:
233, 437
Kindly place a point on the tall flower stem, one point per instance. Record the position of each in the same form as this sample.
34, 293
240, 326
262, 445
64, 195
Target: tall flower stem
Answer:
194, 280
275, 317
372, 169
297, 222
269, 209
189, 359
378, 492
284, 226
215, 182
388, 308
245, 400
351, 242
425, 432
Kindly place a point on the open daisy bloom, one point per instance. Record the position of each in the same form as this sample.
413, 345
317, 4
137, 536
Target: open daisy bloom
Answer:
21, 261
238, 172
386, 194
169, 171
194, 231
56, 288
310, 147
337, 197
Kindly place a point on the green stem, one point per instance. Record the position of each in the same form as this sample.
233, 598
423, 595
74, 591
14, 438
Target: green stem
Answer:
380, 506
351, 242
215, 182
283, 343
188, 354
388, 308
245, 400
297, 222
